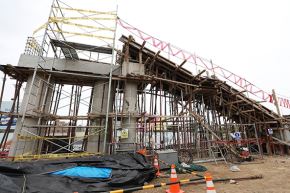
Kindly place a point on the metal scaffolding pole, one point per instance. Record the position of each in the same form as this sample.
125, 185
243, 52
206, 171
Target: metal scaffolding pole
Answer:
110, 85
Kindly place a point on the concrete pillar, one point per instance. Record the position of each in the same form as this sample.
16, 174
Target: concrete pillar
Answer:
130, 105
287, 137
99, 108
34, 102
287, 133
130, 111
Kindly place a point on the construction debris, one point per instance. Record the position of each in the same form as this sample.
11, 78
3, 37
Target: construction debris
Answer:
233, 182
234, 168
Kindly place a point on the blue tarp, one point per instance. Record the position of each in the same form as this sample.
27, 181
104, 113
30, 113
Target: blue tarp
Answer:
85, 172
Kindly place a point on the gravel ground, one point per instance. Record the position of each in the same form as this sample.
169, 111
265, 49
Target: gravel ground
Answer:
275, 171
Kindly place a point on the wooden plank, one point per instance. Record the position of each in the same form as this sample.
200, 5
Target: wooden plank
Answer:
234, 102
280, 141
141, 53
197, 76
238, 93
154, 59
178, 67
203, 81
147, 61
247, 111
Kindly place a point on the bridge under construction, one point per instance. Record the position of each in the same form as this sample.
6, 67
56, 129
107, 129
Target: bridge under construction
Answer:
85, 96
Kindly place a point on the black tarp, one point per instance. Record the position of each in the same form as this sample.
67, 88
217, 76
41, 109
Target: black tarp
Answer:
128, 170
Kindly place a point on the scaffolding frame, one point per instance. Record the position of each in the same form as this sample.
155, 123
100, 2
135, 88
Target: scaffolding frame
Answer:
54, 31
174, 110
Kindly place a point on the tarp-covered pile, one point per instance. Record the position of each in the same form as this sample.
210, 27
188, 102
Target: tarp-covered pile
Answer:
89, 174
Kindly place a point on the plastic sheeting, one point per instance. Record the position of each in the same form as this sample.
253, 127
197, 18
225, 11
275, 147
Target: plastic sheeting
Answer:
128, 170
85, 172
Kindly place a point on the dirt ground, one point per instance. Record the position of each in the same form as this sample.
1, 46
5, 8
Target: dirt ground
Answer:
275, 171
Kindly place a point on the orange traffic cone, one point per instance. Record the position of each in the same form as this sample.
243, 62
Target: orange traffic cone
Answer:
174, 188
209, 184
156, 165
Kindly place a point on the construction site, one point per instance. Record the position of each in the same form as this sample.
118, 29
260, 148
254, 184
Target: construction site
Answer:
94, 92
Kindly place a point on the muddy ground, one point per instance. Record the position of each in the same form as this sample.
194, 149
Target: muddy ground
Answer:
275, 171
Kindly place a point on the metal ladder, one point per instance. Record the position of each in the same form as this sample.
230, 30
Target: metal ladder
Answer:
215, 151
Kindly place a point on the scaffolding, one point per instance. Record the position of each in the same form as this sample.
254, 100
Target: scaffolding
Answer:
75, 35
89, 107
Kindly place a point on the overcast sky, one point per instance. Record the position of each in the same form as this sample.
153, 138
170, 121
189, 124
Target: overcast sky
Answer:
248, 37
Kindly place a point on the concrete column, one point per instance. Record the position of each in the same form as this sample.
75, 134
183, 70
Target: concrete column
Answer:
130, 110
130, 104
99, 108
34, 108
287, 135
